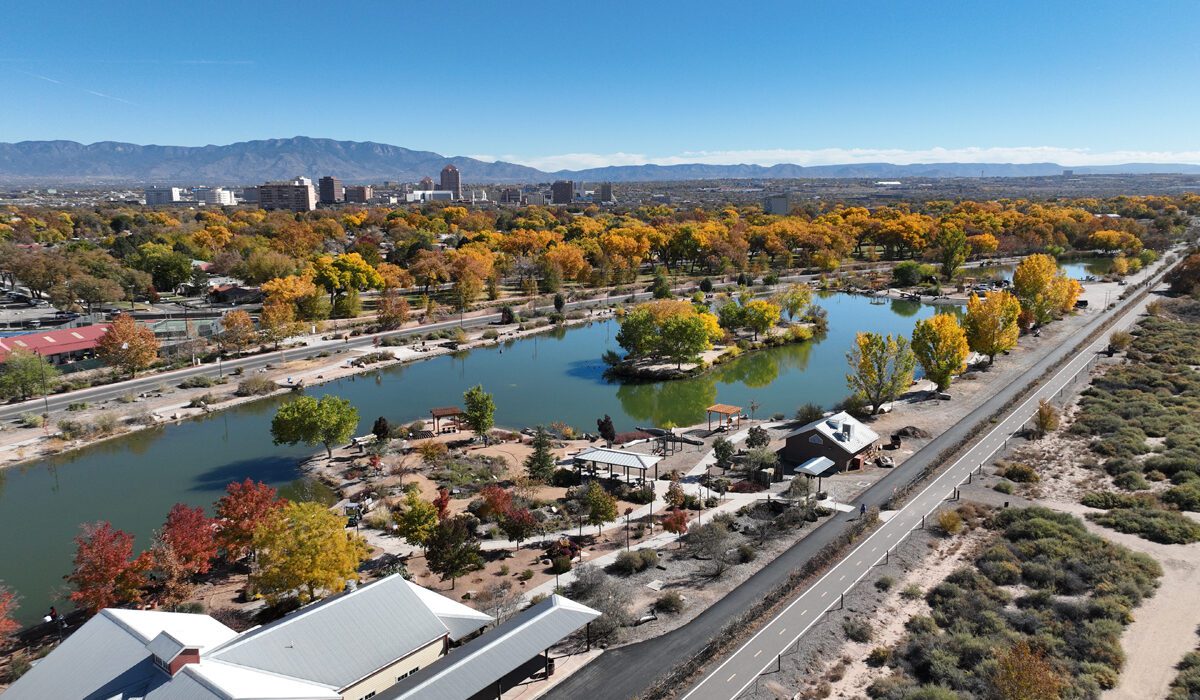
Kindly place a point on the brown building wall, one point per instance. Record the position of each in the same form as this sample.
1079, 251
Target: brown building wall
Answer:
798, 449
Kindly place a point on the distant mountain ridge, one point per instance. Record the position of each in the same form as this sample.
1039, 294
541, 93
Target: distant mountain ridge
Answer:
252, 162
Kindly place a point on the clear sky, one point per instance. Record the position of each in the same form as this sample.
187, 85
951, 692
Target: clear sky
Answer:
575, 84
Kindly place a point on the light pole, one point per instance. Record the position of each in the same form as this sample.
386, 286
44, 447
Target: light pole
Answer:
45, 394
627, 512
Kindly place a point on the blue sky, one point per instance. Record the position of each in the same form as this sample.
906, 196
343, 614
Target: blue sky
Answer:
576, 84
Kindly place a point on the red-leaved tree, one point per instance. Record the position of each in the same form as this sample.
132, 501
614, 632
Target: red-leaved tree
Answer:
104, 575
676, 522
518, 524
442, 503
244, 505
191, 535
8, 605
496, 501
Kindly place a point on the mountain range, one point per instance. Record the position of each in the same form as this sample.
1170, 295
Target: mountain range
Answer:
252, 162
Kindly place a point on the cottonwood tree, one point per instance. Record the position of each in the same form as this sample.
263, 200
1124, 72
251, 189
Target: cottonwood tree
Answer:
306, 420
393, 311
303, 550
882, 368
277, 323
245, 505
237, 330
127, 345
952, 248
452, 550
991, 323
760, 316
1042, 290
794, 299
940, 346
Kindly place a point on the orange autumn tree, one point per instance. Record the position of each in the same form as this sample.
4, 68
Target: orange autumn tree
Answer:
127, 345
104, 574
239, 512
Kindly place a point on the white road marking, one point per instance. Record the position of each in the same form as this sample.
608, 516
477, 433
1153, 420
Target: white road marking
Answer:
730, 679
757, 653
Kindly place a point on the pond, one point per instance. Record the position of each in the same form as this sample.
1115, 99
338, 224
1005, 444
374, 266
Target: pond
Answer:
554, 377
1075, 268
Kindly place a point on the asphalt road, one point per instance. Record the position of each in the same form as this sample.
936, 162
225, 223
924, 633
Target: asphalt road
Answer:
626, 672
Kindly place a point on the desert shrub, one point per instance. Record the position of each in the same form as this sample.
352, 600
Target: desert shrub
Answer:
911, 592
1020, 473
105, 424
1109, 499
884, 583
950, 522
1156, 525
30, 420
1187, 684
77, 406
197, 382
73, 429
491, 334
669, 602
255, 386
1185, 496
858, 630
879, 656
1131, 481
202, 401
632, 562
746, 553
1004, 486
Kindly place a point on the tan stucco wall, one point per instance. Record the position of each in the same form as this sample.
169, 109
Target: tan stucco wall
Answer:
386, 677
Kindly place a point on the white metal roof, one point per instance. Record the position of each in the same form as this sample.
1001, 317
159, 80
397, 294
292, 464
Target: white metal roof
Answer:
618, 458
232, 681
842, 430
458, 618
815, 466
341, 639
476, 665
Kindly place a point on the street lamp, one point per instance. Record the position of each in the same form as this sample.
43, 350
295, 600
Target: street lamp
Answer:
627, 512
45, 393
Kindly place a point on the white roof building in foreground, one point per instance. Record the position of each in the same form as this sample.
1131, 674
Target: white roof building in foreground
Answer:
349, 647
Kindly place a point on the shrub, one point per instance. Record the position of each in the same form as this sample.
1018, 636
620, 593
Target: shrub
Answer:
910, 273
1020, 473
1156, 525
560, 565
105, 424
31, 420
197, 382
1131, 481
857, 630
255, 386
879, 656
669, 602
77, 406
809, 412
884, 583
911, 592
1004, 486
491, 334
632, 562
1185, 496
950, 522
73, 429
746, 553
1107, 500
525, 575
202, 401
504, 570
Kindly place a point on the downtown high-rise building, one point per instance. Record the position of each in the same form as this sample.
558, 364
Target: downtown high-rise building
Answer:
562, 192
452, 182
296, 195
331, 190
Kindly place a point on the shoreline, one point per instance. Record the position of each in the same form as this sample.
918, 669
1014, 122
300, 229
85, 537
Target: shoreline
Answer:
317, 376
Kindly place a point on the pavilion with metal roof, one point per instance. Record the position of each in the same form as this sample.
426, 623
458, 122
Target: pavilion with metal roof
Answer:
593, 460
480, 668
815, 467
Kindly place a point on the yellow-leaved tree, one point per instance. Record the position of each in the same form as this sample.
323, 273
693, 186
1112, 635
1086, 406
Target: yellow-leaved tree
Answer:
303, 550
940, 345
882, 368
1042, 290
991, 323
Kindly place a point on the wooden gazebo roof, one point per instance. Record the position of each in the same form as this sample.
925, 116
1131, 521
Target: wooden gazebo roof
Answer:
724, 409
445, 411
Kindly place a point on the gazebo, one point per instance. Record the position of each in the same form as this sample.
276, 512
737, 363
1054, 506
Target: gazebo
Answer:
444, 412
592, 460
726, 412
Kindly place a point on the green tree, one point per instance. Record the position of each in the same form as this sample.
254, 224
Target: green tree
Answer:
661, 288
480, 410
952, 248
723, 450
758, 437
452, 550
794, 299
940, 345
600, 504
306, 420
540, 463
24, 374
303, 549
168, 268
882, 368
683, 338
607, 430
417, 520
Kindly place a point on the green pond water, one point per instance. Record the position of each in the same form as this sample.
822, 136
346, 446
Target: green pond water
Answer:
133, 481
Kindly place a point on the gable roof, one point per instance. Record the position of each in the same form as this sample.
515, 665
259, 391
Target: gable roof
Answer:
309, 655
471, 668
341, 639
834, 430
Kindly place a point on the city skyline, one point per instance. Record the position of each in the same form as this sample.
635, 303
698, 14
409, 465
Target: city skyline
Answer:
666, 84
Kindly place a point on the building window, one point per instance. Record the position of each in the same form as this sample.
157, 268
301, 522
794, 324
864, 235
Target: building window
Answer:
369, 695
406, 675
